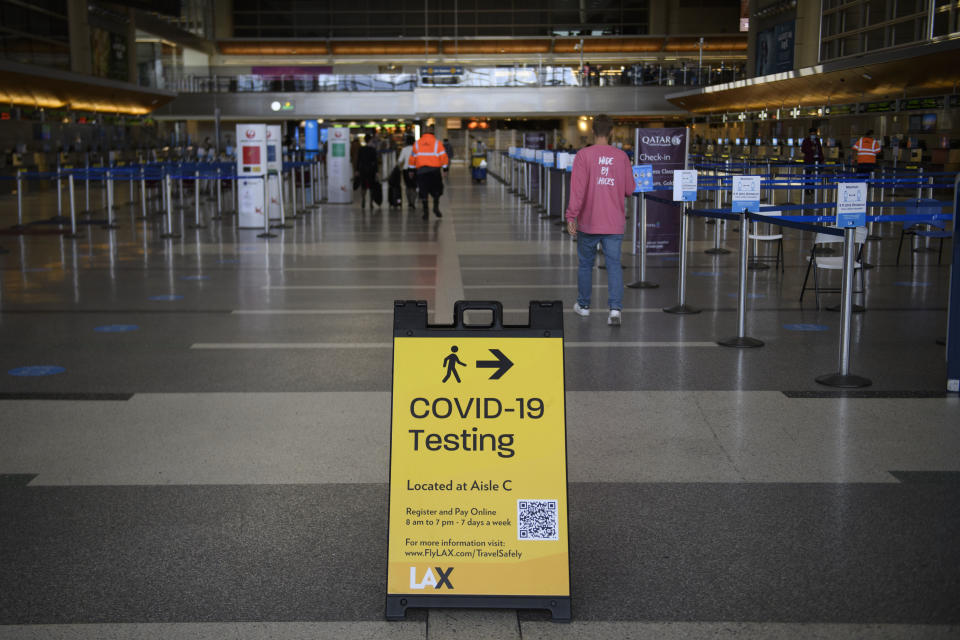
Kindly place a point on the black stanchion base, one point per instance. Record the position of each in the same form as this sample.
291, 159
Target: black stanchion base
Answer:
840, 381
924, 250
604, 267
757, 266
710, 221
172, 236
196, 226
643, 284
561, 223
857, 308
281, 226
217, 218
874, 238
867, 265
266, 235
717, 251
942, 342
681, 309
547, 216
740, 342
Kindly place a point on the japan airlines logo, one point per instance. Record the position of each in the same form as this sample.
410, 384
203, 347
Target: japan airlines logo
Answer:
250, 134
337, 134
429, 580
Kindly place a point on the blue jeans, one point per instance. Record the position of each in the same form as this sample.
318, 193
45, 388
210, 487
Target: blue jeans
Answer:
587, 252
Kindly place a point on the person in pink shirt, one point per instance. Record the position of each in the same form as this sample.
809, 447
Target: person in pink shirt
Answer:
602, 178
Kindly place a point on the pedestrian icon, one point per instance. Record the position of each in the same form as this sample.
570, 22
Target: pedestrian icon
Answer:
451, 362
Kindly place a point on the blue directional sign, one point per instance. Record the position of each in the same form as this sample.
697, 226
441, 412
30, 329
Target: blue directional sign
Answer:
642, 178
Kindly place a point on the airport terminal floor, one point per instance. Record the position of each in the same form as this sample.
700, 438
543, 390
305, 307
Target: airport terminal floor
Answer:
212, 460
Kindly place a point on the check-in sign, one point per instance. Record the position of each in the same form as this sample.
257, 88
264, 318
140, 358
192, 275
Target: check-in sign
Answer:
685, 185
746, 194
478, 484
851, 204
642, 178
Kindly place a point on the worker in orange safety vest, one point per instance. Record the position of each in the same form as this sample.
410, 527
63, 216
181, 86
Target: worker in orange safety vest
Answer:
430, 158
867, 149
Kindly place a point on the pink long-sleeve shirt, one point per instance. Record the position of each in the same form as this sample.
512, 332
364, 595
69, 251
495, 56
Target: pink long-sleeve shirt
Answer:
602, 178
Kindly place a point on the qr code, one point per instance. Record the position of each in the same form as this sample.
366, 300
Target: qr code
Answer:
537, 520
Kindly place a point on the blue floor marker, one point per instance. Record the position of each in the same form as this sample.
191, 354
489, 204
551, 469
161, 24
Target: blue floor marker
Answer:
36, 370
806, 327
116, 328
911, 284
195, 278
167, 298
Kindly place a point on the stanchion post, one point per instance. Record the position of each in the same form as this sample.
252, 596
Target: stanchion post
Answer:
266, 211
283, 222
682, 308
741, 340
86, 183
642, 283
168, 191
143, 194
59, 196
843, 378
196, 202
218, 187
20, 185
717, 250
73, 211
108, 183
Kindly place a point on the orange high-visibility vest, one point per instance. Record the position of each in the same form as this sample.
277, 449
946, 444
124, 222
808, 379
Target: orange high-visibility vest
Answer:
429, 152
867, 150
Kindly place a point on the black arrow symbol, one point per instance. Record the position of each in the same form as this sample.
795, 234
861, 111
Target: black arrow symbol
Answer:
502, 364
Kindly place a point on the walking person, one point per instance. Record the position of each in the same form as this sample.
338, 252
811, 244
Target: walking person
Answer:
867, 149
602, 178
430, 158
812, 150
409, 171
368, 164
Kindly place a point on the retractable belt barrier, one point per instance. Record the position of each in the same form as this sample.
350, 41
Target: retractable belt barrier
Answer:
160, 175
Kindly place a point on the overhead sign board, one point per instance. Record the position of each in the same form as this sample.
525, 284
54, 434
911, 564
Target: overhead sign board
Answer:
746, 194
851, 204
478, 484
685, 185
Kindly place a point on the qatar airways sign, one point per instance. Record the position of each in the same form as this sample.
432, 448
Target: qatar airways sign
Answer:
666, 151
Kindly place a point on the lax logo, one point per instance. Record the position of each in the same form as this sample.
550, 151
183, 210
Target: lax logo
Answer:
429, 580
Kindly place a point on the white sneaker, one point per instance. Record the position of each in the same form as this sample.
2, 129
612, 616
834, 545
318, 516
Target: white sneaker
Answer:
580, 311
614, 318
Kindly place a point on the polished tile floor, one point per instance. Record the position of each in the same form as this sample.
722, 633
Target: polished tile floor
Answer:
207, 454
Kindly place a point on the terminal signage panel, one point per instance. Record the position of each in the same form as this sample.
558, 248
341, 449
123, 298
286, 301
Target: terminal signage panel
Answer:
746, 194
478, 484
666, 150
851, 204
251, 169
685, 185
339, 171
547, 159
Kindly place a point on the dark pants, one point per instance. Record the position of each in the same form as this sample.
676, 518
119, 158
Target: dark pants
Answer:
430, 183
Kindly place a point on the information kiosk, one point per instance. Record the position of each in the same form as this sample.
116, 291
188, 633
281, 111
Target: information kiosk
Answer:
478, 478
339, 171
274, 167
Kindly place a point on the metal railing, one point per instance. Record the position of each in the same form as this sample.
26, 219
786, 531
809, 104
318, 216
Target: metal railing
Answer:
636, 75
